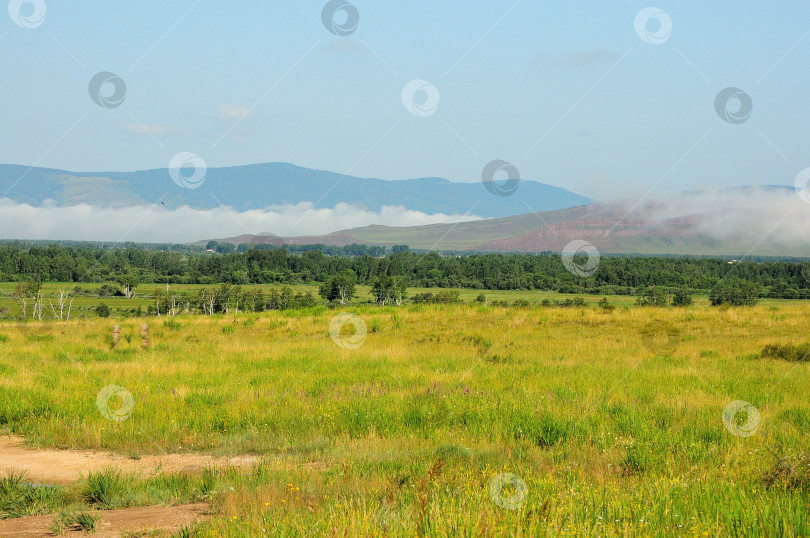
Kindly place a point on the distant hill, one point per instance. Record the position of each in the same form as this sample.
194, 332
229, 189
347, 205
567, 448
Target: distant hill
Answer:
261, 185
652, 227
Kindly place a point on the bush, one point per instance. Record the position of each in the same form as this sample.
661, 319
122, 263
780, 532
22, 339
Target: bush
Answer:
681, 297
635, 462
789, 352
442, 297
605, 305
735, 292
653, 296
790, 472
109, 291
103, 311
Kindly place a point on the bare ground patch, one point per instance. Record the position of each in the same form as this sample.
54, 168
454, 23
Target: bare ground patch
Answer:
53, 466
165, 519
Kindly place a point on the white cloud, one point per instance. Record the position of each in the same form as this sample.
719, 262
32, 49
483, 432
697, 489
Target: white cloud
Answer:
160, 224
756, 216
233, 112
157, 131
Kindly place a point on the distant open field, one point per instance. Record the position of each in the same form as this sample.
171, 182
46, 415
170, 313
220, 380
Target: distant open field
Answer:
443, 420
85, 304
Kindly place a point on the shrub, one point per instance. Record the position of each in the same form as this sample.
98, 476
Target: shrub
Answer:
789, 472
442, 297
653, 296
605, 305
735, 292
103, 311
681, 297
635, 462
788, 352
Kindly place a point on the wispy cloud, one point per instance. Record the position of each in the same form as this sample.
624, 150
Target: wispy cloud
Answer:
743, 214
157, 131
233, 112
184, 224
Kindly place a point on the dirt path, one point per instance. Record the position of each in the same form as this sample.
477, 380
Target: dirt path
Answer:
63, 467
147, 518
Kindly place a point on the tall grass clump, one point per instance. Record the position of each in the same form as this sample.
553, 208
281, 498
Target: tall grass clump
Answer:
105, 489
21, 498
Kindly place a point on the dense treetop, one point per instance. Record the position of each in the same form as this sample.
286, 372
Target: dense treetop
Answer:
264, 265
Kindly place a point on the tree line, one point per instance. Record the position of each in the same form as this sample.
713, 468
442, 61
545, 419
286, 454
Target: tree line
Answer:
390, 273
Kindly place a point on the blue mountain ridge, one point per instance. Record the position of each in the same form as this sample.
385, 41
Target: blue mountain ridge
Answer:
258, 186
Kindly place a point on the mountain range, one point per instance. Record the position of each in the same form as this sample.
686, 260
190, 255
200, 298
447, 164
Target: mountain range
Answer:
766, 220
259, 186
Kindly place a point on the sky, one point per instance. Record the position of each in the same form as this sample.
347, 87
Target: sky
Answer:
573, 93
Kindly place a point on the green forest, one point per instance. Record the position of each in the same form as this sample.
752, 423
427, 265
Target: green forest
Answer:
130, 266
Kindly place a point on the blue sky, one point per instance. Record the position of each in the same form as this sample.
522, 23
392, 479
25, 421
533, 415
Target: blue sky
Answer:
567, 92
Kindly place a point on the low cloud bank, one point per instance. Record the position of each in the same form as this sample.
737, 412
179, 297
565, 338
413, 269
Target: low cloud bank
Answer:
755, 215
159, 224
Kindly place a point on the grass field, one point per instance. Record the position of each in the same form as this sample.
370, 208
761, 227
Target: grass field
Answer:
444, 420
84, 305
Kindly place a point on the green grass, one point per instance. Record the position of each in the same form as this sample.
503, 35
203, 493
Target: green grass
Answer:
18, 497
69, 519
612, 419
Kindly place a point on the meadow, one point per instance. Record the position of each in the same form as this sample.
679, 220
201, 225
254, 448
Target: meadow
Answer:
440, 420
